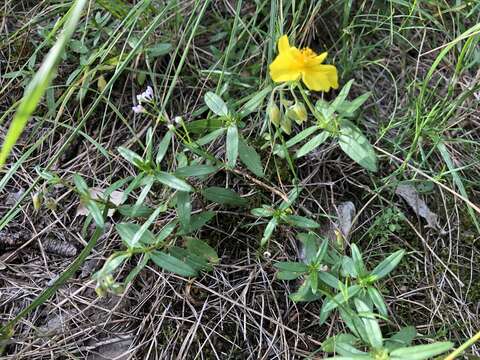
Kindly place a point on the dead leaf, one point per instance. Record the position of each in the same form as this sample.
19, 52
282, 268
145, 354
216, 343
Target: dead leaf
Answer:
116, 198
410, 195
346, 212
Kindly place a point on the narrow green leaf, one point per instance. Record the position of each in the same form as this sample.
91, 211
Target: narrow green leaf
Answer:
329, 279
255, 102
348, 108
262, 212
131, 156
371, 324
81, 185
357, 260
421, 352
224, 196
267, 233
402, 338
196, 170
291, 266
387, 265
159, 49
202, 249
232, 146
172, 181
302, 135
184, 208
135, 210
216, 104
250, 158
312, 144
377, 300
163, 147
356, 146
172, 264
301, 221
95, 211
198, 221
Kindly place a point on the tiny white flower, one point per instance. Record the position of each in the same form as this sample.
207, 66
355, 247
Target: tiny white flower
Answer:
138, 109
178, 120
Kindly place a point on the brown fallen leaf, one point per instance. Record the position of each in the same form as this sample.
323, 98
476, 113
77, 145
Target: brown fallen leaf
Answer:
410, 195
116, 198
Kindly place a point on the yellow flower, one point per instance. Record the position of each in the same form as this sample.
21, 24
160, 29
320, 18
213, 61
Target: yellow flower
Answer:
292, 63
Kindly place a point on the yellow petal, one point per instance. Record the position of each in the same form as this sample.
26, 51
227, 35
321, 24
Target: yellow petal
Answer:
284, 68
283, 44
320, 77
319, 58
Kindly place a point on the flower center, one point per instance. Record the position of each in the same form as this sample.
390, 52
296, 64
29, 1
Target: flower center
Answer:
307, 54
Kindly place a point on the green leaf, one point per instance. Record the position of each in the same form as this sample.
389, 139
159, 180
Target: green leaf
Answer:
291, 266
267, 233
340, 97
224, 196
302, 135
310, 246
331, 344
81, 185
287, 275
356, 146
329, 279
421, 352
42, 78
135, 210
348, 108
131, 156
312, 144
172, 181
338, 299
184, 208
357, 260
210, 137
196, 170
165, 232
203, 250
216, 104
262, 212
402, 338
113, 262
387, 265
163, 147
250, 158
196, 262
127, 233
198, 221
371, 324
232, 146
301, 221
304, 292
159, 49
95, 211
172, 264
200, 126
377, 300
255, 102
348, 268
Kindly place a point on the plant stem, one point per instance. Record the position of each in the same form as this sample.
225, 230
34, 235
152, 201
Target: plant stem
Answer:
464, 346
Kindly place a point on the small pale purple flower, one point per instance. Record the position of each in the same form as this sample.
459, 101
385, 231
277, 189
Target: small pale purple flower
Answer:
138, 109
146, 96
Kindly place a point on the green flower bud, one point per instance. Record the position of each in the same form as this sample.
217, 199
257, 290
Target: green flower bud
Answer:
286, 125
297, 113
274, 114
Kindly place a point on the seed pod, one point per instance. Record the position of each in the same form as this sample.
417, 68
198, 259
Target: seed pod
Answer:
274, 114
297, 113
101, 83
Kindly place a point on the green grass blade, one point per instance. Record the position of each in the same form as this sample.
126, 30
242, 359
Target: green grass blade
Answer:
37, 87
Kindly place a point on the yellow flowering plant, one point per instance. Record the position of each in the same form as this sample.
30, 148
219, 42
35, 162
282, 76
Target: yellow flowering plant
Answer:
291, 68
